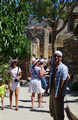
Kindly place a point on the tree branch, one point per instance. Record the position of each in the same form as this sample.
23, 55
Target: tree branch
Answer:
68, 17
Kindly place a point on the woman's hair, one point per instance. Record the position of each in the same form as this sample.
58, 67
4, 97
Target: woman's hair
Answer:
12, 61
37, 61
11, 65
41, 63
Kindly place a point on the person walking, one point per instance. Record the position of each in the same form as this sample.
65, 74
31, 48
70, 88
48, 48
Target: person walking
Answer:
2, 92
59, 76
42, 77
15, 73
42, 74
35, 83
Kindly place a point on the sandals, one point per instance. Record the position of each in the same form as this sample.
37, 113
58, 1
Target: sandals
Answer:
16, 109
2, 108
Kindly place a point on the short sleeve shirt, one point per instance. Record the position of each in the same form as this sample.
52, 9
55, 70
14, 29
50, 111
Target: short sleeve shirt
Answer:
37, 69
61, 74
2, 90
14, 72
35, 73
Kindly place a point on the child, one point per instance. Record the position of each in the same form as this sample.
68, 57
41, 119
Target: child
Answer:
2, 93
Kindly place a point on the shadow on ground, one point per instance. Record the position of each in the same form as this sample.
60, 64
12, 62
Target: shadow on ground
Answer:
71, 101
39, 110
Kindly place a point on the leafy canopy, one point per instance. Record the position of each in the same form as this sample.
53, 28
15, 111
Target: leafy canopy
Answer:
53, 10
13, 20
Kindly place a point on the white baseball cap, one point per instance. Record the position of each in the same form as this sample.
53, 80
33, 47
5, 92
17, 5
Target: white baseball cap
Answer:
36, 61
58, 52
33, 59
42, 60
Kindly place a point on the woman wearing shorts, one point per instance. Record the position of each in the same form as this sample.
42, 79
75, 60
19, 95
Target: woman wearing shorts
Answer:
35, 83
14, 84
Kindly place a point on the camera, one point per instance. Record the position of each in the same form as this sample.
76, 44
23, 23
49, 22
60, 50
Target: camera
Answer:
16, 80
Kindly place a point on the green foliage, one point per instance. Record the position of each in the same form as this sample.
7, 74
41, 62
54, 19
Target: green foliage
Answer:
4, 70
42, 8
52, 11
52, 8
13, 20
14, 17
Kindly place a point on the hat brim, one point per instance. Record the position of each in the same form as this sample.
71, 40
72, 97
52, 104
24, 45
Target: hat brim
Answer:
36, 62
14, 61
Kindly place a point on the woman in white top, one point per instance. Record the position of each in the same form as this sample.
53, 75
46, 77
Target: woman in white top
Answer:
15, 73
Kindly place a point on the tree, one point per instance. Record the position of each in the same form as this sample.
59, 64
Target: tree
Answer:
13, 20
52, 11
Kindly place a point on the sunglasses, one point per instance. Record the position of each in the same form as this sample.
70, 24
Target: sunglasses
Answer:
58, 56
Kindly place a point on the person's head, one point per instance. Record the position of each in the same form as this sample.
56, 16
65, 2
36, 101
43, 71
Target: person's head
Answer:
33, 60
42, 61
14, 62
58, 57
36, 63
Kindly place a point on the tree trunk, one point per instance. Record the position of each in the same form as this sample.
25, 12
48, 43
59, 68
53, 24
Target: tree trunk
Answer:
53, 39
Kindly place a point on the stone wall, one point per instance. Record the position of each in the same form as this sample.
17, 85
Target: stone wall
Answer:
35, 48
71, 53
39, 42
46, 43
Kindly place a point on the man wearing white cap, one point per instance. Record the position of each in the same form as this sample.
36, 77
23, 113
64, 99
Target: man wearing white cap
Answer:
57, 87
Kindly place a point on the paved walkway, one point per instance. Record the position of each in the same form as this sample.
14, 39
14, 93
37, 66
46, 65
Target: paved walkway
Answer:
71, 101
25, 112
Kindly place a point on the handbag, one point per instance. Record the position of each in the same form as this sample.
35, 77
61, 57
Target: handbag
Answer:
17, 75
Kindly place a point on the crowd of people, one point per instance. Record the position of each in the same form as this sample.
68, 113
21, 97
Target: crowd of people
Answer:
38, 82
58, 77
37, 72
